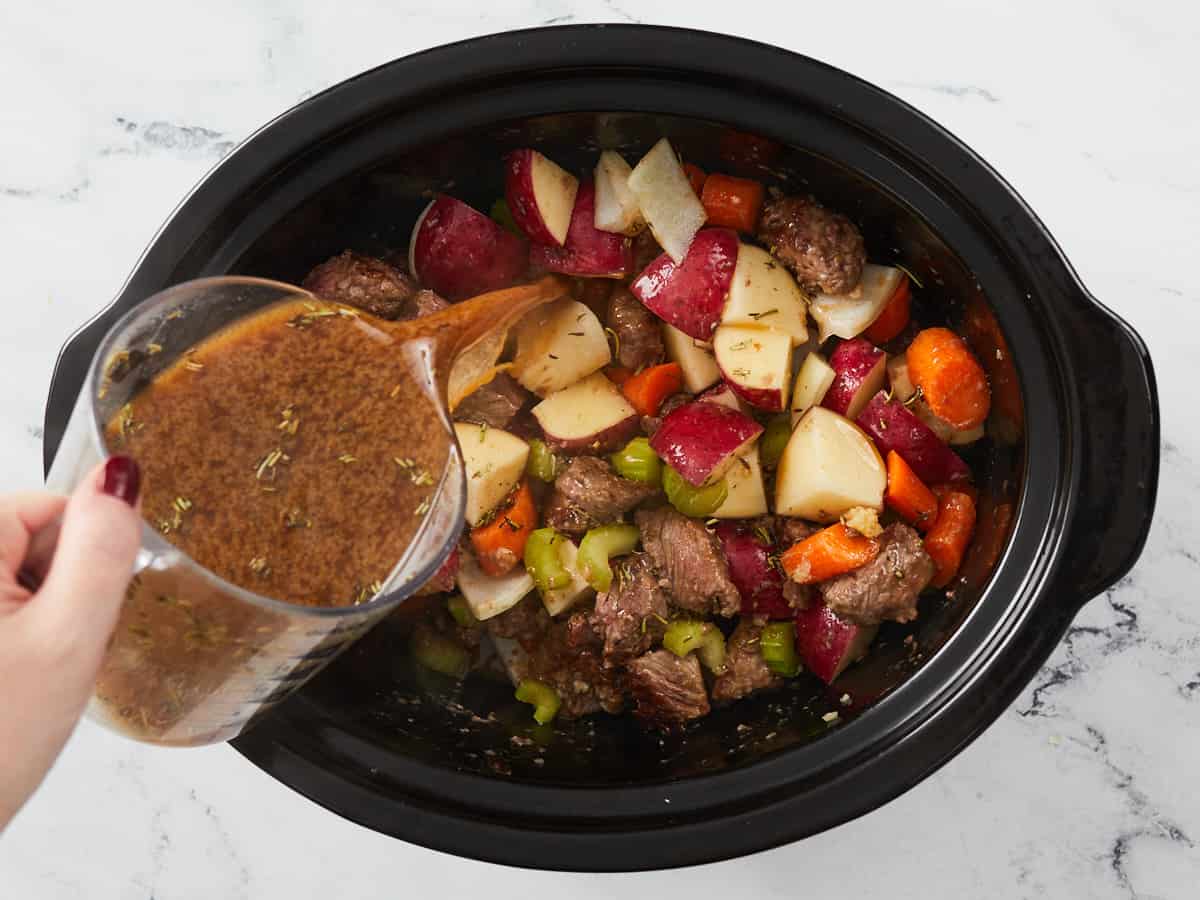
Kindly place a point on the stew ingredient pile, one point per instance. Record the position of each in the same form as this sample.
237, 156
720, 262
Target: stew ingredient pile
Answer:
726, 459
682, 492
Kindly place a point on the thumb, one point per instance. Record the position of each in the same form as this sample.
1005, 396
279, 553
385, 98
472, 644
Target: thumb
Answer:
93, 562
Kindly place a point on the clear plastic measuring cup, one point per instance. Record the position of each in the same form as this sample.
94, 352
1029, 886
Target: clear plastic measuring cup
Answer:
194, 658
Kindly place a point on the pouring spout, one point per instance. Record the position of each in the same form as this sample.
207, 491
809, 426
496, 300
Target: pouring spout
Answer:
466, 339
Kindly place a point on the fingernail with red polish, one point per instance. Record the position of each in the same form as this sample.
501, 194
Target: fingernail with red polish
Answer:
122, 479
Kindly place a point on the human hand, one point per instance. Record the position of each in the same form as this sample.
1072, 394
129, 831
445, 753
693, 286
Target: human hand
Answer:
52, 639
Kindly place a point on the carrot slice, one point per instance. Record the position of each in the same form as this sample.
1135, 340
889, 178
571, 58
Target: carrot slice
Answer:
947, 540
696, 176
907, 494
500, 544
950, 377
732, 202
894, 317
650, 387
830, 552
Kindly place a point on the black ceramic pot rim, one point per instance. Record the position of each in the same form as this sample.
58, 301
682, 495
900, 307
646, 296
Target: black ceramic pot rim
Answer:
905, 736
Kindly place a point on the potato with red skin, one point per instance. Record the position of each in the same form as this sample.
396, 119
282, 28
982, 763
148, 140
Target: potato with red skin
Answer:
459, 252
758, 580
860, 369
894, 427
691, 295
756, 363
701, 440
827, 644
540, 195
589, 416
588, 252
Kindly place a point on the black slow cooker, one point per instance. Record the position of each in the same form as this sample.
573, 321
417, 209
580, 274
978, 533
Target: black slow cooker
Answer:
1067, 485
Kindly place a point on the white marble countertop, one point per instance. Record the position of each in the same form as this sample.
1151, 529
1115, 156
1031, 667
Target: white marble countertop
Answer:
1087, 787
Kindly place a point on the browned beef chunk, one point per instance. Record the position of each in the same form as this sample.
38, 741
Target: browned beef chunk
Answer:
495, 404
579, 676
364, 282
581, 631
790, 531
888, 586
425, 303
639, 336
631, 614
589, 493
645, 250
745, 670
822, 248
689, 558
650, 424
525, 623
668, 690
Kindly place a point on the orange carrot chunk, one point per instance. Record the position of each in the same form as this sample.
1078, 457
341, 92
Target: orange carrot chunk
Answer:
732, 202
500, 543
894, 317
950, 377
830, 552
907, 494
650, 387
947, 540
696, 176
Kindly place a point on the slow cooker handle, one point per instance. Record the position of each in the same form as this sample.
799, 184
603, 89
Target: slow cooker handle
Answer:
1119, 453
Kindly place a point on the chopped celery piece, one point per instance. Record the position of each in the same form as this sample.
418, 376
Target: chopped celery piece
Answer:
542, 697
598, 546
777, 643
638, 462
685, 635
774, 440
543, 561
697, 502
440, 653
541, 464
460, 611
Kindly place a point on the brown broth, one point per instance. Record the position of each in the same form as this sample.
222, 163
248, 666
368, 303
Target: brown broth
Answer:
293, 453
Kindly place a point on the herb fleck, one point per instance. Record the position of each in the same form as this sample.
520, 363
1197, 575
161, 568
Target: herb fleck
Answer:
268, 463
294, 518
766, 312
616, 342
575, 333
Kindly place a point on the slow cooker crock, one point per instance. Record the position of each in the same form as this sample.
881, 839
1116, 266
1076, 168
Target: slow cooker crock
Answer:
1069, 495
